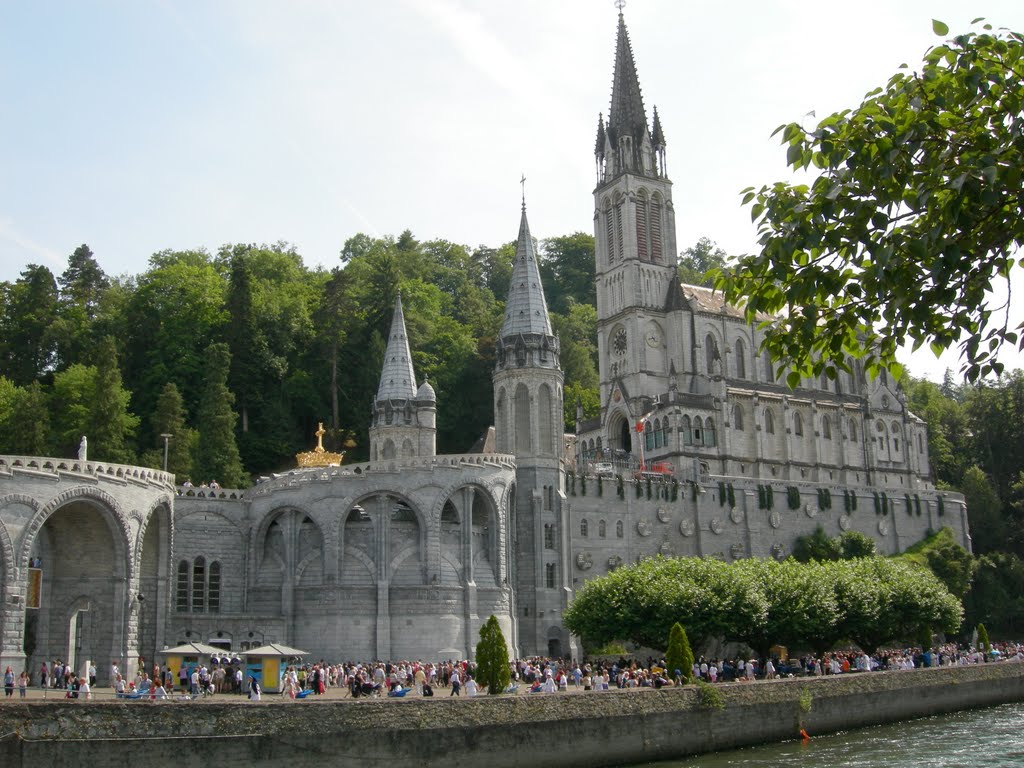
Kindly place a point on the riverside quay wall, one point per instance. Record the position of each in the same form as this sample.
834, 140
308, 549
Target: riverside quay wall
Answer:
592, 729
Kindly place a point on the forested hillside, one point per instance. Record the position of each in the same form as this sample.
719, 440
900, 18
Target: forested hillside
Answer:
237, 355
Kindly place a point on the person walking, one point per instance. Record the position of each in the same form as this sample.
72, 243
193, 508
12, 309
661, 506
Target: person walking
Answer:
8, 682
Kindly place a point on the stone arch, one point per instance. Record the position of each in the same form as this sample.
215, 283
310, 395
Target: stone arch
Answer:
98, 497
10, 570
712, 354
740, 353
546, 440
521, 416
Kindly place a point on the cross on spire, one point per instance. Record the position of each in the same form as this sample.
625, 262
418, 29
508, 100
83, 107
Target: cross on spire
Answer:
522, 183
620, 4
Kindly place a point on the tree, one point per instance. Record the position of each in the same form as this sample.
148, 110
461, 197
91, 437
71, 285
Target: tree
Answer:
916, 211
82, 286
678, 655
170, 419
816, 546
567, 271
983, 642
218, 457
26, 429
26, 341
492, 668
984, 511
697, 261
110, 422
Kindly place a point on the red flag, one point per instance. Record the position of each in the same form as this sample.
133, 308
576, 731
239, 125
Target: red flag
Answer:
640, 426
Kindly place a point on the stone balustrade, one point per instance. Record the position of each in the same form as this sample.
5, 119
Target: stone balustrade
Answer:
101, 470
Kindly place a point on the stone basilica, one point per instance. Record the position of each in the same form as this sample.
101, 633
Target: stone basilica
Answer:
405, 556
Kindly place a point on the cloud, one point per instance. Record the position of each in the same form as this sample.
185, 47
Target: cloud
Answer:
31, 250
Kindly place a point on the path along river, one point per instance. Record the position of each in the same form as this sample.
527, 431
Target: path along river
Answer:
980, 738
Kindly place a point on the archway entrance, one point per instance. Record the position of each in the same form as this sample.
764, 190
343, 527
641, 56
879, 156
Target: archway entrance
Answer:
81, 555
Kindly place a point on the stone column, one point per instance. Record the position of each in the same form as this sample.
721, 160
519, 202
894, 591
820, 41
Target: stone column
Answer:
382, 523
12, 623
470, 618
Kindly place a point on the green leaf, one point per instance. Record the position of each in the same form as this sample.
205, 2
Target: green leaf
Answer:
939, 28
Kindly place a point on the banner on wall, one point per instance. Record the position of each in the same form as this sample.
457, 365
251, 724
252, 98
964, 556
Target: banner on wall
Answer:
33, 595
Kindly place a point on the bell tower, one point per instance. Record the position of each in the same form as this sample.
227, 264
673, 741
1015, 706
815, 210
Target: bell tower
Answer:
635, 243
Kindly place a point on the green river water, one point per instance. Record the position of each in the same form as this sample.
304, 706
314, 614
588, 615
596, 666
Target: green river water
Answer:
983, 738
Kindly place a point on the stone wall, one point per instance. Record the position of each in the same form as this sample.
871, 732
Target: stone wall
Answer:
614, 728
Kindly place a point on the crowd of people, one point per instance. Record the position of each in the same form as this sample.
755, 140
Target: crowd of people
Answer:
458, 678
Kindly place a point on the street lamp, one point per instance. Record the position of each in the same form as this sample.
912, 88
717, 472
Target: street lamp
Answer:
166, 436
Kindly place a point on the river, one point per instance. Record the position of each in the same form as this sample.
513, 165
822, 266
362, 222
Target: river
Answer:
988, 738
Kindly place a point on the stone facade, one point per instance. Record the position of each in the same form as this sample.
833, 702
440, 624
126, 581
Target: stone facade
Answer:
408, 554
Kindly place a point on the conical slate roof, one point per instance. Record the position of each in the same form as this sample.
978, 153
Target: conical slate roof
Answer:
627, 116
526, 311
397, 380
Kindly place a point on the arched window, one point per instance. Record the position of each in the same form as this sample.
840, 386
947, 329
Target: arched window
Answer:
769, 371
664, 432
709, 433
583, 527
826, 428
824, 383
641, 226
181, 588
619, 529
769, 422
741, 360
659, 435
549, 575
198, 584
648, 436
549, 536
655, 228
853, 431
798, 424
609, 230
737, 418
711, 354
687, 431
213, 592
602, 529
698, 431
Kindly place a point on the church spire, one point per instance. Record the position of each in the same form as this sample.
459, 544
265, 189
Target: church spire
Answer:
397, 380
526, 311
627, 117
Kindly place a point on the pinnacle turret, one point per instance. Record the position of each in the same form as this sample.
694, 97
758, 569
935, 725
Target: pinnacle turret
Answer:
526, 311
397, 380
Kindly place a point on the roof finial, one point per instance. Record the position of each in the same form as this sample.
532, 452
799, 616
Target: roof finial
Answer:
620, 4
522, 183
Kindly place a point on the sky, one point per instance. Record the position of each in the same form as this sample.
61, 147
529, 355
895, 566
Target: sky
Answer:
136, 126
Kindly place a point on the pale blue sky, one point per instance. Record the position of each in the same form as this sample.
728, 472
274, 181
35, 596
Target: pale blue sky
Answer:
140, 125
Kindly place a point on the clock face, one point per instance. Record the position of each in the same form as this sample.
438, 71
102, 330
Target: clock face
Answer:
619, 341
653, 336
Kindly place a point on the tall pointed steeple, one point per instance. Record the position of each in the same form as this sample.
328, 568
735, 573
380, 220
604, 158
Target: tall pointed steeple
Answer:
526, 311
397, 380
627, 115
403, 424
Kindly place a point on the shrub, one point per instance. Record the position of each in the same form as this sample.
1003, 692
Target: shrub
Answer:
679, 655
492, 667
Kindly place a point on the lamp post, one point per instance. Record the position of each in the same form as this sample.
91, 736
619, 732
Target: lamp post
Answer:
166, 436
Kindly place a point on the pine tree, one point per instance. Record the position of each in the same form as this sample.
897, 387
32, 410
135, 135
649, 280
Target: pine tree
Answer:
110, 423
492, 658
679, 656
26, 429
169, 419
983, 642
217, 455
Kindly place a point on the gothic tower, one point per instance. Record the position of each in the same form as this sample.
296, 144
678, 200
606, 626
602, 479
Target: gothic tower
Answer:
529, 423
635, 248
403, 424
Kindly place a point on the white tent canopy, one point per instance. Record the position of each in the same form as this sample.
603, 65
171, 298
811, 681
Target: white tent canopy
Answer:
274, 649
193, 649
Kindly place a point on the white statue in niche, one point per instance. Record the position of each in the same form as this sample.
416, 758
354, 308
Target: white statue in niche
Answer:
83, 449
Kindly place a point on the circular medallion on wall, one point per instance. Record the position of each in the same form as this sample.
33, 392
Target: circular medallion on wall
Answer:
716, 525
664, 515
614, 562
736, 515
775, 519
643, 526
737, 550
844, 522
665, 549
810, 511
883, 527
687, 528
778, 551
584, 561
